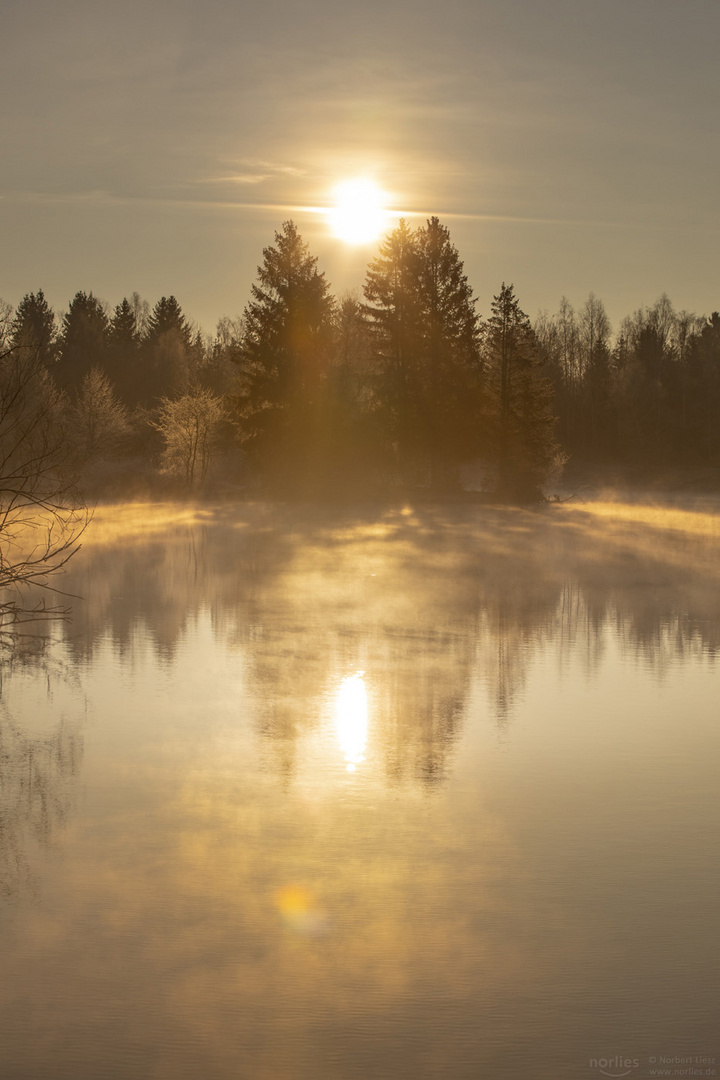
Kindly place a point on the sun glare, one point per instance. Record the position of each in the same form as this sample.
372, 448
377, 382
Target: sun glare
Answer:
358, 216
351, 719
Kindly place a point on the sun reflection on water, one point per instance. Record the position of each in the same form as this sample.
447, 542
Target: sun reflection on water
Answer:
351, 719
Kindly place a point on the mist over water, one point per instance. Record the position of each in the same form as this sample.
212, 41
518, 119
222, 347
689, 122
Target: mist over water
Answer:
344, 792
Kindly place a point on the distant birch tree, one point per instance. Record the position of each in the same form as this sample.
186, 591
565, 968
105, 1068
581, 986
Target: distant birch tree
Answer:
6, 319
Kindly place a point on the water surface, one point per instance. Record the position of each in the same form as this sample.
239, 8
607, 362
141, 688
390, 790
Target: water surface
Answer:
306, 792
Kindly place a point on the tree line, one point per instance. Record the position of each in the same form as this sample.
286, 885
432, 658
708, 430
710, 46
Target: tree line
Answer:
404, 385
650, 398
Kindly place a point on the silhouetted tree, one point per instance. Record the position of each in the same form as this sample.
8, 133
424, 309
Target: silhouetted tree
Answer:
421, 314
658, 386
166, 351
167, 318
450, 360
521, 411
353, 434
83, 340
283, 357
123, 329
393, 313
593, 343
123, 352
218, 370
41, 515
703, 392
34, 327
6, 321
558, 337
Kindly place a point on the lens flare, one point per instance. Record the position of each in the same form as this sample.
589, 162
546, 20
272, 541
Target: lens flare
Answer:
299, 910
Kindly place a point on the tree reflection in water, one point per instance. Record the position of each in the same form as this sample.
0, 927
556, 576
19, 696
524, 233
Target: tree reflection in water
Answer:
516, 872
39, 766
424, 600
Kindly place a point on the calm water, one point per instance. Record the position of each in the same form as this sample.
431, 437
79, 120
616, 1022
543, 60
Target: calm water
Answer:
311, 793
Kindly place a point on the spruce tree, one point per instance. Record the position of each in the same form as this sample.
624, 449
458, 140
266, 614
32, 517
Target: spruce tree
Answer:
521, 400
421, 313
123, 330
166, 351
283, 356
123, 358
34, 327
450, 358
354, 437
393, 314
167, 318
83, 340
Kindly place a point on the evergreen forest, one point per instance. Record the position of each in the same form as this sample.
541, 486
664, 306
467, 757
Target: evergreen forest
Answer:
407, 386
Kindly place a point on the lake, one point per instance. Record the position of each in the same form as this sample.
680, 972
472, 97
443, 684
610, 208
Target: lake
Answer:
346, 792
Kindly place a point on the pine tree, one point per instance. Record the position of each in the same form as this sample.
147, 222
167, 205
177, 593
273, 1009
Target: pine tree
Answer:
283, 356
83, 339
522, 414
34, 327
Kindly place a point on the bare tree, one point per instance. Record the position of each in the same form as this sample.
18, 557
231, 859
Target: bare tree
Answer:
141, 311
190, 426
100, 420
41, 515
6, 321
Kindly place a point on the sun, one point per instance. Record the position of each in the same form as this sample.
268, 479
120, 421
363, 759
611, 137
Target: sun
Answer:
358, 216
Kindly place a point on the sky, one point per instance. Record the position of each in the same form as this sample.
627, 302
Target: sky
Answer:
570, 146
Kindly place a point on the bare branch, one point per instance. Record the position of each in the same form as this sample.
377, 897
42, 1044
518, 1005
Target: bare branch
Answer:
42, 516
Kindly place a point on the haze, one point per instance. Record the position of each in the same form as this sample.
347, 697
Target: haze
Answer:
155, 147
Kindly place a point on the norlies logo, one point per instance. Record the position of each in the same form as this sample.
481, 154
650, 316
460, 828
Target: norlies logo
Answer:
615, 1066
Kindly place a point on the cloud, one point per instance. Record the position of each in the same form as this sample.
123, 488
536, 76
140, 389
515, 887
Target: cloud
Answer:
271, 167
245, 178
